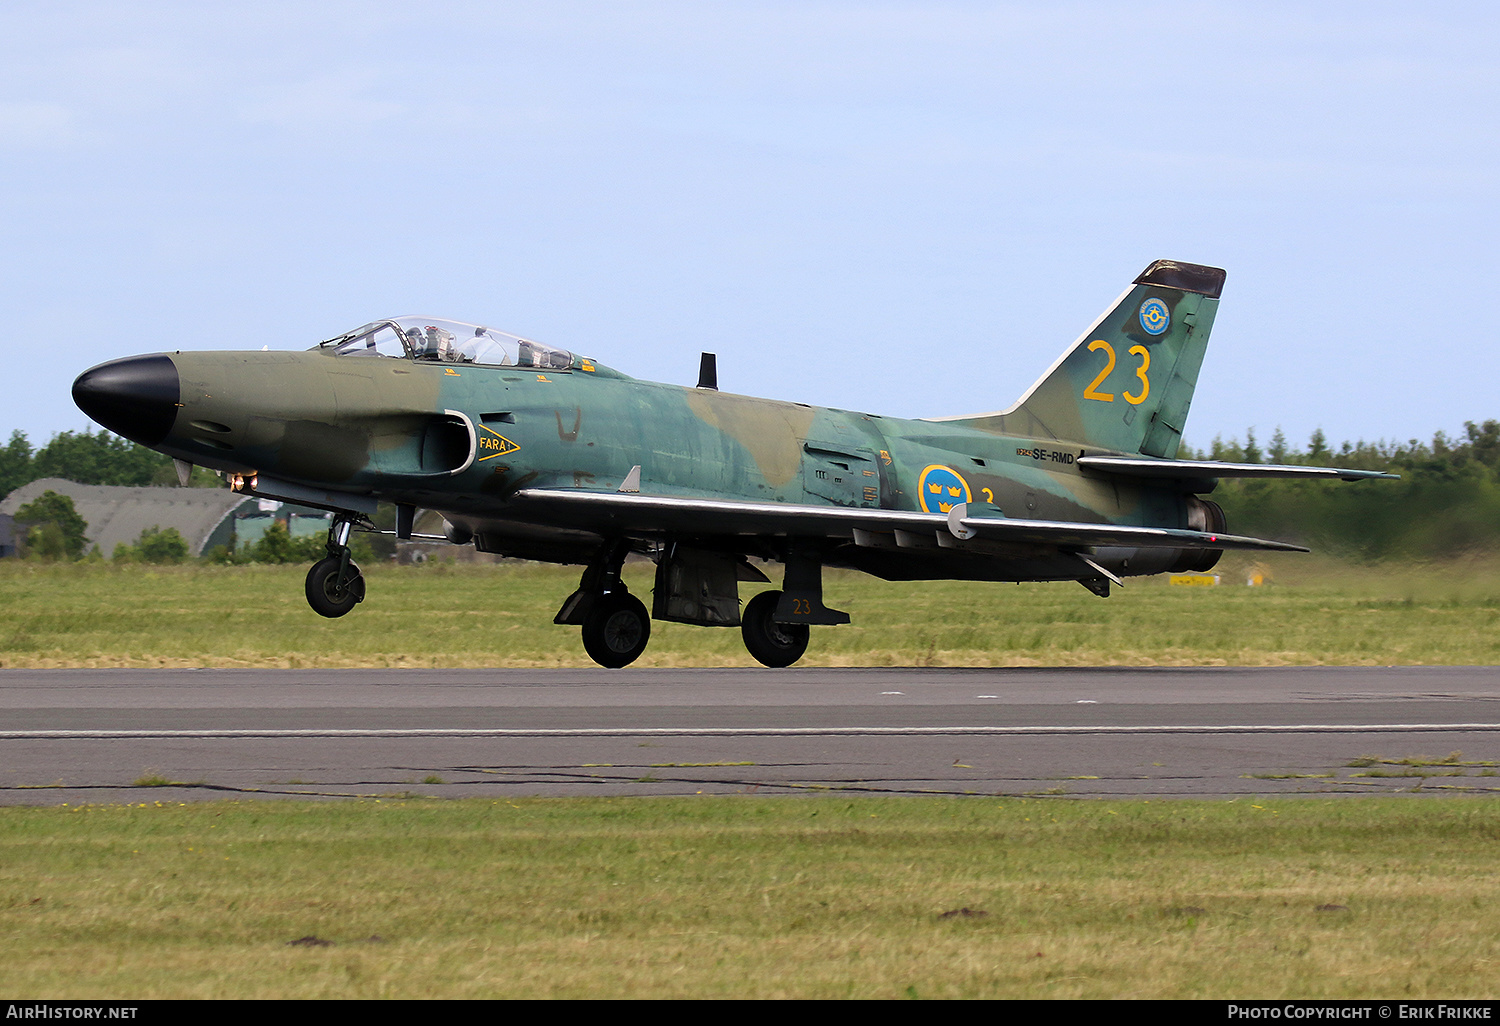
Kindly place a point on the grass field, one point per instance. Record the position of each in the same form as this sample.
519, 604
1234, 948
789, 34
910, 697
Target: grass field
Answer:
747, 897
1311, 612
713, 897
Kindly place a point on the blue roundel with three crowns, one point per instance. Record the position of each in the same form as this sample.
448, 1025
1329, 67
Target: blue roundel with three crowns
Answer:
941, 489
1155, 317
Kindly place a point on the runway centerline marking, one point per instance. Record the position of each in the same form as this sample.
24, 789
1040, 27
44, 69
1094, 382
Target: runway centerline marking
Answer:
505, 732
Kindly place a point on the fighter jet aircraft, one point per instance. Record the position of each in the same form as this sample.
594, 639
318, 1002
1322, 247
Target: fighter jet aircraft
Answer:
538, 453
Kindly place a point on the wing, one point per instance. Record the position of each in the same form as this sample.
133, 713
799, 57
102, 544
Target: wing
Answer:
656, 513
1143, 466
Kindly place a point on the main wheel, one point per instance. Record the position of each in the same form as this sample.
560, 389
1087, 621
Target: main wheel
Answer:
324, 593
771, 643
616, 630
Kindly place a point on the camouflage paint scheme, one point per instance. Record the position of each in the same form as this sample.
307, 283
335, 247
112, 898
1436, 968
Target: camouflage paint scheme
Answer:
508, 454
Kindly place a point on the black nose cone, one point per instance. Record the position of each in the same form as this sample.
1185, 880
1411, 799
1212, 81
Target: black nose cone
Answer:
136, 397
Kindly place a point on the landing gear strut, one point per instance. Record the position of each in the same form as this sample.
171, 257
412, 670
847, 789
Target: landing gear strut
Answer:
615, 624
334, 584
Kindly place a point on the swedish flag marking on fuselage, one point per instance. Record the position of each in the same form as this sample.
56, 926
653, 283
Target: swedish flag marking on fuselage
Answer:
1155, 317
941, 489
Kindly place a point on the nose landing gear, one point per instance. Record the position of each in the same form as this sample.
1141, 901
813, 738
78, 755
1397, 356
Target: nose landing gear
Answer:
334, 583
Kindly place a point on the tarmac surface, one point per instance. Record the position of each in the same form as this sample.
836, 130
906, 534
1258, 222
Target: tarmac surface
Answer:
93, 736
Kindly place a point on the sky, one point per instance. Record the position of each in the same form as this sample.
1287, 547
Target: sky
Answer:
903, 208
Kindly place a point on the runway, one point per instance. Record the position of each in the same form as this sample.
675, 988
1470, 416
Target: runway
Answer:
94, 736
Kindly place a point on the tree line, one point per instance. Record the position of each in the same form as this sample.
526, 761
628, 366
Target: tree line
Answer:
89, 458
52, 529
1446, 504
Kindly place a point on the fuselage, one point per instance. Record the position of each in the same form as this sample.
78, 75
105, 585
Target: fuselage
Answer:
463, 438
538, 453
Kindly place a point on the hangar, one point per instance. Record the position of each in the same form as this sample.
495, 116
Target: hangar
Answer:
116, 515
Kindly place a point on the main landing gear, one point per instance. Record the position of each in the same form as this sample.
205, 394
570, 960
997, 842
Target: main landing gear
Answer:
334, 584
616, 626
698, 587
616, 629
772, 644
775, 624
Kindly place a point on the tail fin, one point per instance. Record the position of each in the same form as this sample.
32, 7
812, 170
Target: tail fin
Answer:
1127, 382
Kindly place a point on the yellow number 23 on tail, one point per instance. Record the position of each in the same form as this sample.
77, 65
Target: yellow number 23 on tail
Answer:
1092, 392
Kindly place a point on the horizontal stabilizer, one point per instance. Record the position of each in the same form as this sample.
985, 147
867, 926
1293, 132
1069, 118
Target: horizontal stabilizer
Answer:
655, 514
1138, 466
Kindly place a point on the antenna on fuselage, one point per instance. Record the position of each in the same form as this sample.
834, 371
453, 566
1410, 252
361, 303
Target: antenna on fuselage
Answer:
708, 371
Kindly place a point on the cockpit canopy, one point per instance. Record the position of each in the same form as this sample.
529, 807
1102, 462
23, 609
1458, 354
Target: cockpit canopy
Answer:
427, 338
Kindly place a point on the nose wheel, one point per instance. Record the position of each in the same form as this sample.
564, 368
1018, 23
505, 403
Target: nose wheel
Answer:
334, 583
334, 586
